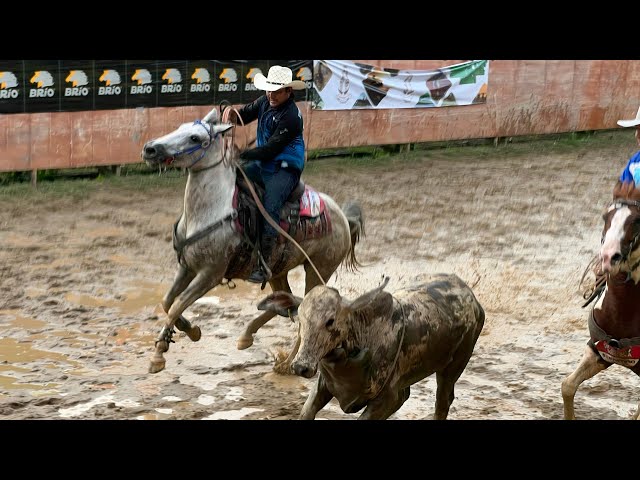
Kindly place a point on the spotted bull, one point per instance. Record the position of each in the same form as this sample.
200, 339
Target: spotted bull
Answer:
371, 350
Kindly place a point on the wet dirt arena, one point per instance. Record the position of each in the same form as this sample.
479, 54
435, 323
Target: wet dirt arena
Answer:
82, 275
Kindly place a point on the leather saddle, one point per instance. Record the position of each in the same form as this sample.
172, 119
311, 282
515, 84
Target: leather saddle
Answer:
249, 215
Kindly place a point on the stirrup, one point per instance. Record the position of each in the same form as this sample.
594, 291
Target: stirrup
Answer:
259, 276
261, 273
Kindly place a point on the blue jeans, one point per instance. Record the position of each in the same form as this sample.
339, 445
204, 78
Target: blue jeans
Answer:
277, 186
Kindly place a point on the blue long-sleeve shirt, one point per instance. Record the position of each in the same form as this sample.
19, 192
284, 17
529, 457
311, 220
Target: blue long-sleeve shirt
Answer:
279, 133
632, 171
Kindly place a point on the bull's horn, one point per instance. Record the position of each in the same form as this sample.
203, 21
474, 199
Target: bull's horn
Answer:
364, 299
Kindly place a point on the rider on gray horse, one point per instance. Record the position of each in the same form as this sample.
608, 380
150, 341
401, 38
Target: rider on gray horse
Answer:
278, 160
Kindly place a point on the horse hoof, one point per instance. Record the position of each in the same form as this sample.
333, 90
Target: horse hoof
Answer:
194, 334
245, 342
156, 366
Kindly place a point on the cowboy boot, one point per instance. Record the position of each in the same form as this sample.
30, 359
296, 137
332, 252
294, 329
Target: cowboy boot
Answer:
259, 275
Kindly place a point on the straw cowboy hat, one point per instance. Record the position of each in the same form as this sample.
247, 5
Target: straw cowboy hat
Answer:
630, 123
278, 77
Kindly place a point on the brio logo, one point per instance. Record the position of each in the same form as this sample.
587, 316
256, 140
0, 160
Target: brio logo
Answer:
8, 84
249, 86
44, 81
111, 80
173, 78
304, 74
78, 80
229, 76
143, 77
202, 78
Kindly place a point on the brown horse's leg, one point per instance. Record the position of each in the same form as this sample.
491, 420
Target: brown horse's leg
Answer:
588, 367
201, 284
182, 279
246, 339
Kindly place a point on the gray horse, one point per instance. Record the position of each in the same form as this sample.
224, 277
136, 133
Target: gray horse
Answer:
212, 246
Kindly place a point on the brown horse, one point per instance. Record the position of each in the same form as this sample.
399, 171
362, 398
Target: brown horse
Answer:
213, 237
614, 328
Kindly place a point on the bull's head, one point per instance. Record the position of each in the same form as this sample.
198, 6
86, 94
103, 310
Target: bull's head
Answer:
324, 318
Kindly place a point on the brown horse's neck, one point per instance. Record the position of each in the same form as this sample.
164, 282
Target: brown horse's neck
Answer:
619, 315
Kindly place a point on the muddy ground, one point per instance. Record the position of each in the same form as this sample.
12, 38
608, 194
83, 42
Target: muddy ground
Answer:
83, 267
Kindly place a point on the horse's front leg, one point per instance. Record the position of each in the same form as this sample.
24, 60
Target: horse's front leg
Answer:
588, 367
180, 282
246, 339
201, 284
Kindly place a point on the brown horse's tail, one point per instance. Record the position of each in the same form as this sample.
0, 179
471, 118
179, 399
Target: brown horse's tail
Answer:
353, 212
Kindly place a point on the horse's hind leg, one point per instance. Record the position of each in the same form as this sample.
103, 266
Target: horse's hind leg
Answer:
201, 284
311, 278
588, 367
246, 339
182, 279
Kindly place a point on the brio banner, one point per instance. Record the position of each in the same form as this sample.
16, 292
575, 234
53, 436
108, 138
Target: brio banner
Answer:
43, 86
110, 90
173, 83
12, 86
77, 82
32, 86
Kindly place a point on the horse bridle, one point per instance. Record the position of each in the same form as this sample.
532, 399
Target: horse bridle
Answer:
204, 146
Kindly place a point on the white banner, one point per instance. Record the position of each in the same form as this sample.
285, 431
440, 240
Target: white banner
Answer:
345, 85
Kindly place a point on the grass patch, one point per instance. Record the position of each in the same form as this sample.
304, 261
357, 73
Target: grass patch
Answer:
79, 188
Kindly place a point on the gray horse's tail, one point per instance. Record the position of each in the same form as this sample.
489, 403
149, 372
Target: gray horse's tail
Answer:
353, 212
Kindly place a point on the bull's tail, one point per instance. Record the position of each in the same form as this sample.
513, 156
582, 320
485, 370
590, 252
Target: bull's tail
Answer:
353, 212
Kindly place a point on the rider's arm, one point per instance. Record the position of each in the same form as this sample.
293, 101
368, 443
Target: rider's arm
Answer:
630, 172
249, 112
288, 128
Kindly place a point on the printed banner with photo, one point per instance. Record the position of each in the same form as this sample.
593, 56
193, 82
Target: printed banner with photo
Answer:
346, 85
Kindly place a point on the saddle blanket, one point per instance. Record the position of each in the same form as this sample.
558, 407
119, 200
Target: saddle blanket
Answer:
311, 205
312, 219
625, 356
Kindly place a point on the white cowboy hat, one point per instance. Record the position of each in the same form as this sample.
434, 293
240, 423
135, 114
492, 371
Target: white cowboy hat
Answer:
278, 77
630, 123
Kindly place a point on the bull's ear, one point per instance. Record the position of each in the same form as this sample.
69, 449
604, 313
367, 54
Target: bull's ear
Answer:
211, 117
282, 303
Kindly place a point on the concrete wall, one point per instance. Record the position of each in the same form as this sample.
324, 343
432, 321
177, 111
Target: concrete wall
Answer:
523, 97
